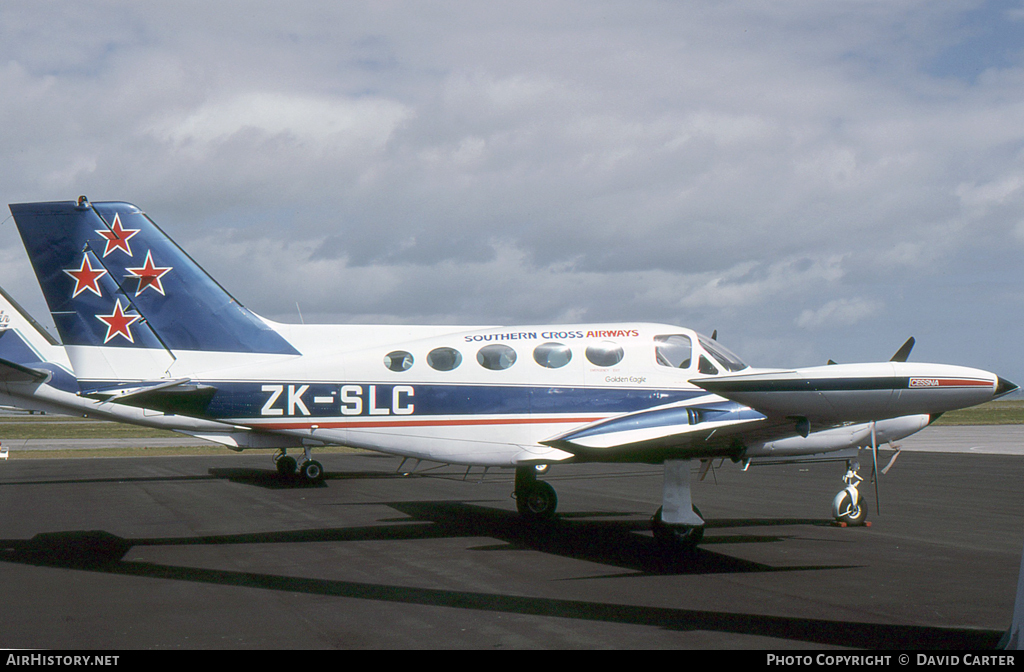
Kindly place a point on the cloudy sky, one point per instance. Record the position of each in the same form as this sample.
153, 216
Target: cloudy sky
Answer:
812, 179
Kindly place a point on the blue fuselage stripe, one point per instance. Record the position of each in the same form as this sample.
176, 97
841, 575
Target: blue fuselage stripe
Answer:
244, 400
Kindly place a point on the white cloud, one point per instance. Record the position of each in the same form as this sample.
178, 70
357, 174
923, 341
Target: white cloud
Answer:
978, 199
838, 313
316, 123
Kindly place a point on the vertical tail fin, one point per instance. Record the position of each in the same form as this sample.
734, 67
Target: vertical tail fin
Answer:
113, 279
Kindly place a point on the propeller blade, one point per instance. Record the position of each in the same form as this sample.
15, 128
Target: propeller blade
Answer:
886, 468
874, 463
904, 351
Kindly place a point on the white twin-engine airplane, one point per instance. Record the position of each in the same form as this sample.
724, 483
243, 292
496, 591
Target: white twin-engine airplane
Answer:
148, 331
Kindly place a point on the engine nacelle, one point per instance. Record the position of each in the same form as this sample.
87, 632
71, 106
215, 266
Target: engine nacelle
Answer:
849, 436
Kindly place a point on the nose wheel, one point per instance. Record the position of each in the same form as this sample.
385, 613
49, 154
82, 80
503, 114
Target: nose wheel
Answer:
848, 506
677, 525
676, 537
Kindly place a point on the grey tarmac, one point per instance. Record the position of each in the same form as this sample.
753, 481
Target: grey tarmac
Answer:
218, 552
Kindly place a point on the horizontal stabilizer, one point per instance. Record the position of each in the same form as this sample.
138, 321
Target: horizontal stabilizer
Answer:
179, 396
16, 373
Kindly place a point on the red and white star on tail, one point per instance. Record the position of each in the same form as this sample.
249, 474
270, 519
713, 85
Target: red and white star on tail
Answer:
118, 323
149, 275
86, 277
117, 237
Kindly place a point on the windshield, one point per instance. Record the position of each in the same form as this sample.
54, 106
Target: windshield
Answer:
722, 355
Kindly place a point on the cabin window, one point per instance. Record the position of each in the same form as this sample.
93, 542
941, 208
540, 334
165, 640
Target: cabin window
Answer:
604, 353
675, 350
399, 360
444, 359
706, 367
552, 355
496, 357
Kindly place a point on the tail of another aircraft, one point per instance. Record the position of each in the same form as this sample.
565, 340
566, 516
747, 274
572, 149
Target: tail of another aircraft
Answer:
27, 352
22, 339
125, 298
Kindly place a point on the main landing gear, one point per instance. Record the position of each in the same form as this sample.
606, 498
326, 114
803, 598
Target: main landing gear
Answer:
309, 470
535, 500
677, 525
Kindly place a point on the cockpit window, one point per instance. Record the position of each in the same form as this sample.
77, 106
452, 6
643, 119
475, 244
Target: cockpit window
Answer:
675, 350
496, 357
604, 353
552, 355
706, 367
444, 359
722, 355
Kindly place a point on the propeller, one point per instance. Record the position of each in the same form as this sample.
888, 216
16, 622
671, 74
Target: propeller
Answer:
874, 464
904, 351
901, 354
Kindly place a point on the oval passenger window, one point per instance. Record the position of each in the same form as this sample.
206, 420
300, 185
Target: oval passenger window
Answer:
604, 353
399, 360
444, 359
496, 357
552, 355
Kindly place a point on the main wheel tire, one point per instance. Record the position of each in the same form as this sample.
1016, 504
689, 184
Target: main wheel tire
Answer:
312, 471
684, 537
848, 512
286, 465
537, 502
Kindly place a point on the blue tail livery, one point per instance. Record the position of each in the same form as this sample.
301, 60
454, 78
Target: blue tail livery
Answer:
112, 278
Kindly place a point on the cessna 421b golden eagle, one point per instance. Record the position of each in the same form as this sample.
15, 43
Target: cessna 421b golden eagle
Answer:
145, 327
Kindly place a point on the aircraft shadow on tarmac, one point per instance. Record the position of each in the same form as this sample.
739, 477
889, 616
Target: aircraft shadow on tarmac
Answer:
609, 542
271, 480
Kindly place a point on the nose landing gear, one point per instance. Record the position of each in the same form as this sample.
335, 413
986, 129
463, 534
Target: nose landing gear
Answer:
849, 507
678, 524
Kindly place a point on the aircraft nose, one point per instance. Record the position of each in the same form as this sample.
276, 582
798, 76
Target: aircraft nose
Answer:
1003, 387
